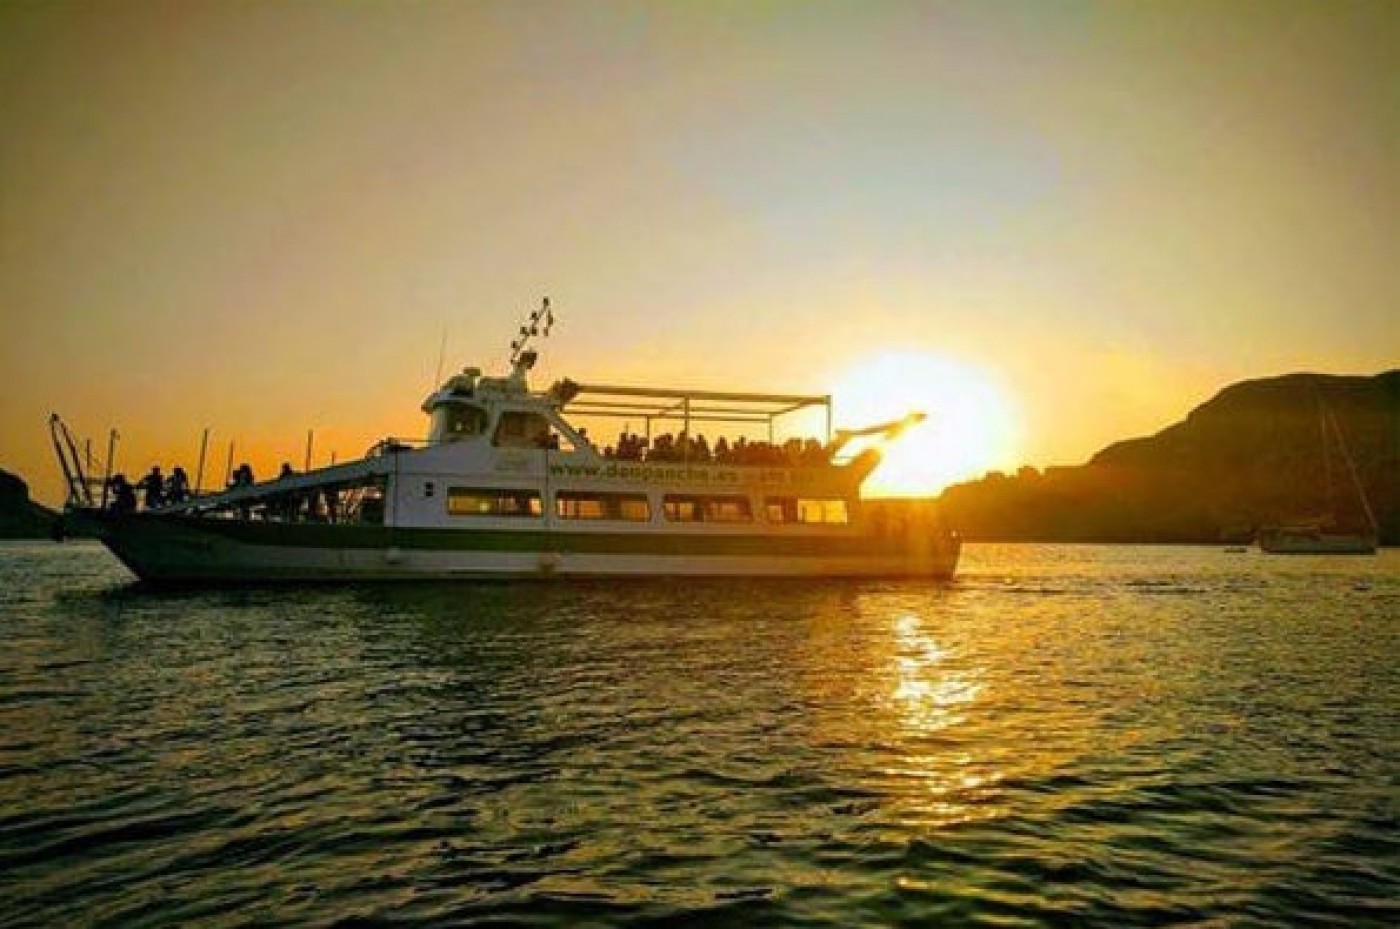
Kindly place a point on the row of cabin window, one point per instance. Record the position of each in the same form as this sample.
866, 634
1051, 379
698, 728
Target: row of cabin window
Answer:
677, 508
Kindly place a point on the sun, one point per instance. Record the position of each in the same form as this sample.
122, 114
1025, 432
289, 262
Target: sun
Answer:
971, 426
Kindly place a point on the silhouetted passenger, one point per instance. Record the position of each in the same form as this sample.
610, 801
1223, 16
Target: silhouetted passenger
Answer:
242, 476
663, 449
332, 499
630, 447
154, 486
177, 486
285, 505
123, 494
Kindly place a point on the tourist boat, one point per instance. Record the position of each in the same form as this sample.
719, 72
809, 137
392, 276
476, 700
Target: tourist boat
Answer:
508, 484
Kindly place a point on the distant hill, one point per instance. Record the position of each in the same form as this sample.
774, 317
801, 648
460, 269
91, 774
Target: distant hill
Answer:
1252, 455
20, 517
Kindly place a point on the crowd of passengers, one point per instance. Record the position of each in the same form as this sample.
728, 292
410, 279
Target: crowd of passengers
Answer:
683, 447
158, 490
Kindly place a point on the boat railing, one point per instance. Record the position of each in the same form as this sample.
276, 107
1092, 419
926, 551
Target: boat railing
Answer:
392, 444
286, 491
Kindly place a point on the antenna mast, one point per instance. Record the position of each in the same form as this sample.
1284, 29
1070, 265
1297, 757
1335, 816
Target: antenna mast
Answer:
442, 353
522, 356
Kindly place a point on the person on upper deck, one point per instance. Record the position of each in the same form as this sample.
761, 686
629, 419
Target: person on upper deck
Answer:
630, 447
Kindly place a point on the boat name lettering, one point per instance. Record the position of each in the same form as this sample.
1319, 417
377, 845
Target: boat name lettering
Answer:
664, 474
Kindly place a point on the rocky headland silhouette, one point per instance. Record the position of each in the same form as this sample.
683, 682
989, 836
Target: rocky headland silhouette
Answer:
1253, 455
20, 517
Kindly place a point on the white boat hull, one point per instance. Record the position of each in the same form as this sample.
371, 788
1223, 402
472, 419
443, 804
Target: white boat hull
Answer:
1317, 544
190, 550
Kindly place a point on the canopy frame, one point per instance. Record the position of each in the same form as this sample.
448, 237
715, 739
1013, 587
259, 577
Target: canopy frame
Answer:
663, 404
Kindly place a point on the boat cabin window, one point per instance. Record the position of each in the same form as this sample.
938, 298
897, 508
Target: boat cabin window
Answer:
453, 422
492, 501
518, 429
691, 508
587, 504
823, 510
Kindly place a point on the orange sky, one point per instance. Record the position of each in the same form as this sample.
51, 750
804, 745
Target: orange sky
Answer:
261, 217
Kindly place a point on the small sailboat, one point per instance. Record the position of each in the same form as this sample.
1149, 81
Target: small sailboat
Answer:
1326, 534
1315, 538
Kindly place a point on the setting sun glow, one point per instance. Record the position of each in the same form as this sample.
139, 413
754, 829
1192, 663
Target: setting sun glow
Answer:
971, 426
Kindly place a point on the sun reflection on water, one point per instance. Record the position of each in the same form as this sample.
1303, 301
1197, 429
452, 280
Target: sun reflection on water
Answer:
932, 694
935, 697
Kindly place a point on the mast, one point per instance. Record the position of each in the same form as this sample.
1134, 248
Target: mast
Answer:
1352, 472
1323, 419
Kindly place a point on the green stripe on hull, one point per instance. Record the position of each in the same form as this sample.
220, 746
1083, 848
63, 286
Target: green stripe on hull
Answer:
312, 535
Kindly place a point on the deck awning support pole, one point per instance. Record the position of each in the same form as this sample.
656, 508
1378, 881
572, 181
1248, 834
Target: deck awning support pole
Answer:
685, 446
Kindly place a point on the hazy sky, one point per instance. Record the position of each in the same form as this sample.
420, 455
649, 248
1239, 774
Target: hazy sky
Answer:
261, 217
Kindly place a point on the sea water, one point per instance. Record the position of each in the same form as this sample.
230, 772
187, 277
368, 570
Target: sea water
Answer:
1065, 735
